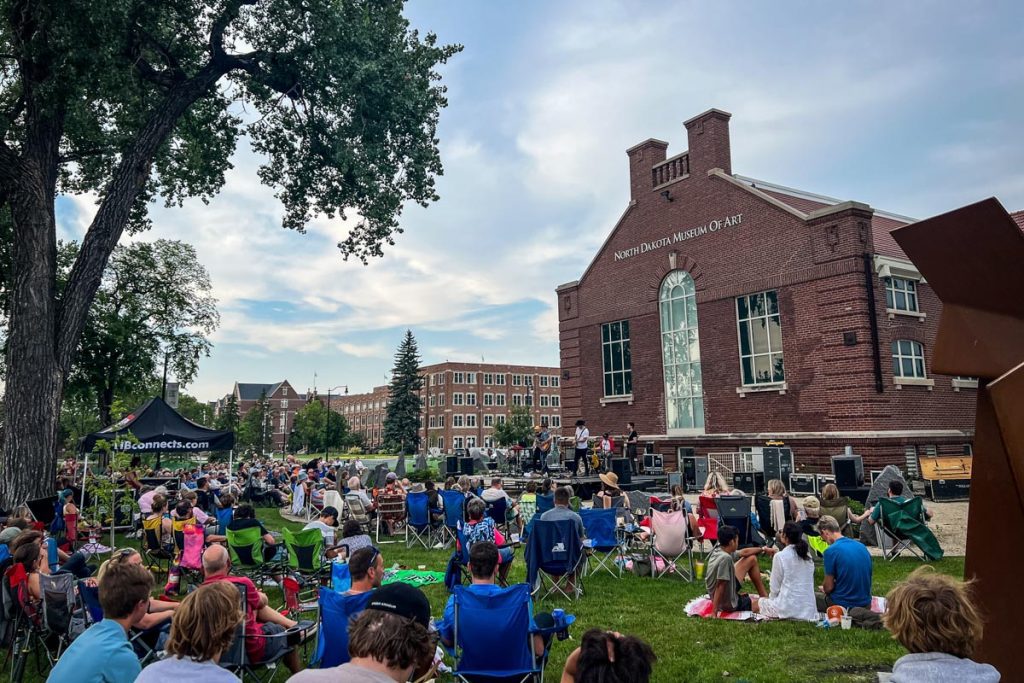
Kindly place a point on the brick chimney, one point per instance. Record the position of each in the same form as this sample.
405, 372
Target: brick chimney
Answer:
708, 136
642, 157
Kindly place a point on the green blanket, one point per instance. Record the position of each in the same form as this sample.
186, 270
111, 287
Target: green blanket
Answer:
412, 577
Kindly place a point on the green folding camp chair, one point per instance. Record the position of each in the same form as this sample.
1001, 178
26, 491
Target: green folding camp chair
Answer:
901, 526
306, 553
246, 549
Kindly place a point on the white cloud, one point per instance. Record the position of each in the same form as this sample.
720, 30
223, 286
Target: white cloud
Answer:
364, 350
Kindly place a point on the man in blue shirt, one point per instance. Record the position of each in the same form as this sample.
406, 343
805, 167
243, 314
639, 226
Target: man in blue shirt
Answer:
847, 569
103, 654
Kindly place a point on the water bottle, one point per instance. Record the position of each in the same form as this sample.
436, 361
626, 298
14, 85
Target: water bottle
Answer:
559, 616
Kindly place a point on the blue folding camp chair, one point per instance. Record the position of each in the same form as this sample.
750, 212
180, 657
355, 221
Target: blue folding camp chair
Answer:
544, 503
602, 541
454, 514
336, 611
493, 636
498, 511
734, 511
458, 564
554, 558
224, 517
419, 527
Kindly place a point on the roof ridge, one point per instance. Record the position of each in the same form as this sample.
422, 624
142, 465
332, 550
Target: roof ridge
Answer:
813, 196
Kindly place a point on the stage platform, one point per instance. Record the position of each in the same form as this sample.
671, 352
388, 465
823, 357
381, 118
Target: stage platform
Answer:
585, 487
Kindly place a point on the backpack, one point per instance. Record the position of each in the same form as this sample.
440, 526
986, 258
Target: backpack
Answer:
453, 572
57, 526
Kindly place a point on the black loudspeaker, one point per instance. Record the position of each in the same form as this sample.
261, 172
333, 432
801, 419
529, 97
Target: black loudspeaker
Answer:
948, 489
778, 463
620, 466
848, 470
802, 484
466, 466
749, 482
654, 463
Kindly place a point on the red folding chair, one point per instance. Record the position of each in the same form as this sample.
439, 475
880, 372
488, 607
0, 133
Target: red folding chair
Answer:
707, 521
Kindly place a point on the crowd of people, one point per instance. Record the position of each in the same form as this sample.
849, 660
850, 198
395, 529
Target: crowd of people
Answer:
394, 638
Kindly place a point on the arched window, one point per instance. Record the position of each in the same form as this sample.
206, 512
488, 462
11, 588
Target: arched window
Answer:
680, 353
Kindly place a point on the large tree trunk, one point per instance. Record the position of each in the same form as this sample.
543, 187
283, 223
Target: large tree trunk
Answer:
43, 336
35, 382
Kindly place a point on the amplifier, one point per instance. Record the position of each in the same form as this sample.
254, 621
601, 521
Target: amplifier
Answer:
654, 463
451, 465
821, 481
466, 466
623, 470
749, 482
803, 484
848, 470
948, 489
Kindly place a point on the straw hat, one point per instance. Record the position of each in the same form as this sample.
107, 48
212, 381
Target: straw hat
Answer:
418, 488
610, 478
812, 507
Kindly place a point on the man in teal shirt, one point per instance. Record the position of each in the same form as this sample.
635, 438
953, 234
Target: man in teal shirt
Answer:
103, 654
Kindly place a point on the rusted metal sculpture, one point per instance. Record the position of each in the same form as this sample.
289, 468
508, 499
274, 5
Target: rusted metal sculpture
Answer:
973, 259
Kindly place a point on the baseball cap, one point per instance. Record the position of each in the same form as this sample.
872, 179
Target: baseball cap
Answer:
402, 600
391, 476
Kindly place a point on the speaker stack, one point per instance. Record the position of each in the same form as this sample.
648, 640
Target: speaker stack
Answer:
654, 463
749, 482
621, 468
466, 466
848, 471
451, 464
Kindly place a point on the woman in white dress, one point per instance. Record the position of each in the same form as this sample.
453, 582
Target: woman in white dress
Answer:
792, 579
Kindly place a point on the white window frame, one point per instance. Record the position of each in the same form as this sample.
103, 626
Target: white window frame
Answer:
556, 421
440, 443
457, 420
500, 400
471, 419
517, 380
471, 398
488, 378
458, 398
499, 379
545, 400
440, 399
903, 350
440, 421
470, 442
500, 419
895, 286
619, 346
458, 378
457, 442
775, 347
517, 399
544, 380
488, 420
488, 399
555, 380
556, 401
470, 378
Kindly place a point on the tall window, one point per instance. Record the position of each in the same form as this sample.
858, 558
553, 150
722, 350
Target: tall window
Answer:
456, 442
517, 380
901, 294
470, 378
543, 380
457, 378
470, 442
488, 399
517, 399
760, 330
471, 399
457, 399
440, 399
554, 380
680, 352
555, 401
499, 419
471, 420
499, 379
488, 420
440, 442
545, 401
908, 359
440, 421
556, 420
488, 378
456, 420
618, 365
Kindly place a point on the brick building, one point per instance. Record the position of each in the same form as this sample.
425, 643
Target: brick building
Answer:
284, 403
461, 403
723, 312
364, 413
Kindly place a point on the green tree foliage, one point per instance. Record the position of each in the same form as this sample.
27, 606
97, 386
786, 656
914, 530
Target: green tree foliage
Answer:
518, 427
135, 100
154, 301
402, 420
228, 418
198, 411
317, 429
255, 431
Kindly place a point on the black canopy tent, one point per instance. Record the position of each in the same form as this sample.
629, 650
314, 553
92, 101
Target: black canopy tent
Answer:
157, 427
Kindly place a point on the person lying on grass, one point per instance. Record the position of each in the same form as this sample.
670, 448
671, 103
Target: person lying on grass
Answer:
728, 567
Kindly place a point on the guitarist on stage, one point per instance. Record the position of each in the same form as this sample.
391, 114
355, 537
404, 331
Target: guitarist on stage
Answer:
541, 447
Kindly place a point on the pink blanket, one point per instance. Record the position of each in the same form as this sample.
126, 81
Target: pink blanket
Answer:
702, 607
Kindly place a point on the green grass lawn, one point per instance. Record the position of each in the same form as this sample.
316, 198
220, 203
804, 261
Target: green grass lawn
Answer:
689, 649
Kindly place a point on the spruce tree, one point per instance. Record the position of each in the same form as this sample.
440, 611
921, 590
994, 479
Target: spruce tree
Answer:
402, 422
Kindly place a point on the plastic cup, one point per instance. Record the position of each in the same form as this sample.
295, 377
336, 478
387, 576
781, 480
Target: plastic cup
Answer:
847, 623
422, 567
699, 567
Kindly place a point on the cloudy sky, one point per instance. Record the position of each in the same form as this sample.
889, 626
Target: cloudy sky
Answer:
914, 108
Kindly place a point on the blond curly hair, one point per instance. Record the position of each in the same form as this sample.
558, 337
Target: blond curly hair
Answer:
932, 612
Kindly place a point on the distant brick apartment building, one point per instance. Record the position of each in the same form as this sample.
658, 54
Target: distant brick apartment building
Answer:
284, 403
723, 312
461, 403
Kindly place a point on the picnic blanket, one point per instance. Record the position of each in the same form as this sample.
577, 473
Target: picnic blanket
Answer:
702, 607
412, 577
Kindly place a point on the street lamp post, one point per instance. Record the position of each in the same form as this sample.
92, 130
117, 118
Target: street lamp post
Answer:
327, 422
